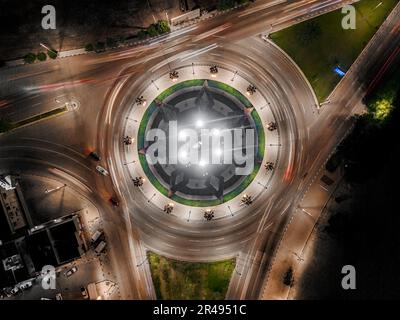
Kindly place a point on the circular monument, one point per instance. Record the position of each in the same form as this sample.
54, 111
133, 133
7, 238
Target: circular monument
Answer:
200, 142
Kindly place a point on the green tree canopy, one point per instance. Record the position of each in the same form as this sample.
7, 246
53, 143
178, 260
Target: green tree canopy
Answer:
30, 57
41, 56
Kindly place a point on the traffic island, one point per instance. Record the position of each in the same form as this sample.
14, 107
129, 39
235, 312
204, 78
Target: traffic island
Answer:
180, 280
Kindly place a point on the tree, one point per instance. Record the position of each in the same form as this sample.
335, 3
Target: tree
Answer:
225, 4
152, 30
162, 26
100, 46
288, 279
89, 47
30, 57
41, 56
142, 34
52, 54
110, 42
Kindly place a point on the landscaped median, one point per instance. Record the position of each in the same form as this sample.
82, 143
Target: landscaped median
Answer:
321, 44
8, 126
179, 280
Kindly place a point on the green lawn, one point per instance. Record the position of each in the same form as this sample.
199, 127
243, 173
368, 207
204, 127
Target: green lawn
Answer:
330, 45
181, 280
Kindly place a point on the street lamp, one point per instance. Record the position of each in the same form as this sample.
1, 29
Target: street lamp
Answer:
55, 189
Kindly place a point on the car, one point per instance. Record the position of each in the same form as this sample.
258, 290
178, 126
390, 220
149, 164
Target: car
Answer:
71, 271
114, 201
84, 293
13, 291
96, 236
95, 156
103, 171
326, 180
25, 285
100, 247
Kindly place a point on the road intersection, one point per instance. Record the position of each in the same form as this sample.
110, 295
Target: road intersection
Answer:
106, 85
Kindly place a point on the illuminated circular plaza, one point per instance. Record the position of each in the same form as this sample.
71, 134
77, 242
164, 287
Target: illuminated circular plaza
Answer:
200, 142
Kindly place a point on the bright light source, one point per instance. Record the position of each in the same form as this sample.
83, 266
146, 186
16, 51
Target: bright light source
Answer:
215, 132
183, 155
182, 134
199, 123
218, 152
202, 163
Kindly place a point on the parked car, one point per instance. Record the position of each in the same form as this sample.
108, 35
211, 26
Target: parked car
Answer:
25, 285
100, 247
71, 271
95, 156
103, 171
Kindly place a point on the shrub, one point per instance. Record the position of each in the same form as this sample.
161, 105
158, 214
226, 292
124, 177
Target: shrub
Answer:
110, 42
100, 46
41, 56
5, 125
30, 57
52, 54
142, 34
152, 30
89, 47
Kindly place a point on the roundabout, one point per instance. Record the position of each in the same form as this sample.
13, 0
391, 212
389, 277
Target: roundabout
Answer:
201, 143
196, 160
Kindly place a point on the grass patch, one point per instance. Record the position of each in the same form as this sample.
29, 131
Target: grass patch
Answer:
179, 280
320, 44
